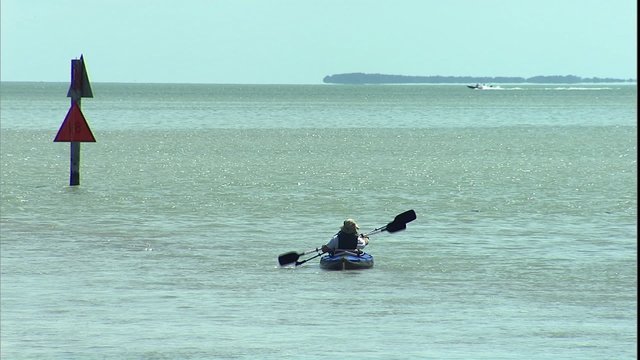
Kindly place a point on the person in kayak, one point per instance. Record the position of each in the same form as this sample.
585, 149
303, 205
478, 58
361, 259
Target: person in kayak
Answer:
347, 239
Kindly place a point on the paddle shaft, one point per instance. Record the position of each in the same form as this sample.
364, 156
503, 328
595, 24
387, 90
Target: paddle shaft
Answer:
304, 261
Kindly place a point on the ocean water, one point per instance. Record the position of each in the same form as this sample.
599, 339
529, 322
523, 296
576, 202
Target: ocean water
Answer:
524, 246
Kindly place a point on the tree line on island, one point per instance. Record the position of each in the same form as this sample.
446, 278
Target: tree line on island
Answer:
362, 78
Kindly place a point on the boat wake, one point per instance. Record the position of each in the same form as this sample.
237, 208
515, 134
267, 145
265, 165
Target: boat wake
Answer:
533, 88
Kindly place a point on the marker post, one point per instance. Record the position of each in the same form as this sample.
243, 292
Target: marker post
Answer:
74, 128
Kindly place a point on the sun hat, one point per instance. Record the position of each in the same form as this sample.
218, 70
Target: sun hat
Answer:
349, 226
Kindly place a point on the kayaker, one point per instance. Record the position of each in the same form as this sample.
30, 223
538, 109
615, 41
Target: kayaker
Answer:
347, 239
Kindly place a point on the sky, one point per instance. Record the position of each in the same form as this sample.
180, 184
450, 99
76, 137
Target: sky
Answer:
302, 41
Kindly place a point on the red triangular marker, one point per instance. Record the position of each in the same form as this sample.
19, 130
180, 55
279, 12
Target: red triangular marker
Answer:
74, 128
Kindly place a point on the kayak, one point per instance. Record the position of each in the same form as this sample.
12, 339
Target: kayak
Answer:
346, 261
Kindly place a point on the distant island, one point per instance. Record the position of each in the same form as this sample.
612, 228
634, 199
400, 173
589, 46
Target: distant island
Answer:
362, 78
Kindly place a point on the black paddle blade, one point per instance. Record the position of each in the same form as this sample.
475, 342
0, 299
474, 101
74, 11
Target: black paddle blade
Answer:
288, 258
405, 217
395, 226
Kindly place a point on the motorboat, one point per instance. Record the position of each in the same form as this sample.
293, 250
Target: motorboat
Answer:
483, 87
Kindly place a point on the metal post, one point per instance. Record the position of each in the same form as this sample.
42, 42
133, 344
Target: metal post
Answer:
75, 164
76, 83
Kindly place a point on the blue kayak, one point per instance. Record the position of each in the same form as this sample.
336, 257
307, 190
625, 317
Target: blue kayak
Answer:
346, 261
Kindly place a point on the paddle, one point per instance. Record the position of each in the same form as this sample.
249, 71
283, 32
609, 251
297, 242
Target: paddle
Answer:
399, 223
292, 256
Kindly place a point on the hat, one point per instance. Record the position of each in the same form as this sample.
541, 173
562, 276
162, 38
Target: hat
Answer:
349, 227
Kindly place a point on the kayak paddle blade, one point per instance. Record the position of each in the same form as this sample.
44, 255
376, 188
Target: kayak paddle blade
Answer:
288, 258
395, 226
405, 217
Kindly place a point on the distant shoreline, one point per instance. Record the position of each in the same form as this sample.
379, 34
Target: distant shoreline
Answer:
363, 78
452, 83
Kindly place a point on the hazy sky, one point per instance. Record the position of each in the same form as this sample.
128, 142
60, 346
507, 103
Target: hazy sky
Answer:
301, 41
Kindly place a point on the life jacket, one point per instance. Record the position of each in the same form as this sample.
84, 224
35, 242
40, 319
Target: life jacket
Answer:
347, 241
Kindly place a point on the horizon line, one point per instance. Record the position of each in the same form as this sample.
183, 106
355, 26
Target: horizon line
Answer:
624, 82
